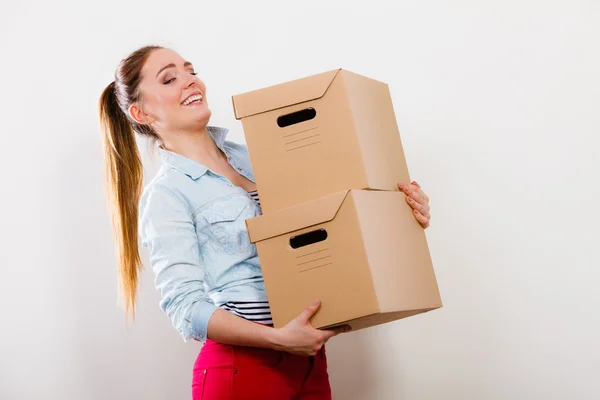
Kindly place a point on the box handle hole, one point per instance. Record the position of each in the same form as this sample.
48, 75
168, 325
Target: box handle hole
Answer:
296, 117
308, 238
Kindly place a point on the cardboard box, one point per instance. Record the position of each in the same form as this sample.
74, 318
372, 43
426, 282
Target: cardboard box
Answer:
362, 253
318, 135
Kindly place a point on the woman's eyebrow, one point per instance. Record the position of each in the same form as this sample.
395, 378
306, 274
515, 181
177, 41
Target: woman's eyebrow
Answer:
185, 64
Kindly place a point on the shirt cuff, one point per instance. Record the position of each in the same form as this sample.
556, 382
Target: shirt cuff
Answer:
203, 310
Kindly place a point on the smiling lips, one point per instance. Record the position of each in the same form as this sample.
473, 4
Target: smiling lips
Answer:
192, 99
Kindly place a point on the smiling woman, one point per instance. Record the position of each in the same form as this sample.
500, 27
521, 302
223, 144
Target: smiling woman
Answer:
191, 218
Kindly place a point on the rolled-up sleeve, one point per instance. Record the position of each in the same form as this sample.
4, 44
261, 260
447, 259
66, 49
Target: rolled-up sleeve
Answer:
167, 229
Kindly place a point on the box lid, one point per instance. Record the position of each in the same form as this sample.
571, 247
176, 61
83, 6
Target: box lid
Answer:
282, 95
300, 216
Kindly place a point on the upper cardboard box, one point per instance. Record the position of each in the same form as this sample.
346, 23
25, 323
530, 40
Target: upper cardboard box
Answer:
314, 136
283, 95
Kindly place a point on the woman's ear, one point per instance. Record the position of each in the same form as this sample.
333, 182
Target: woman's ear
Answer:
139, 116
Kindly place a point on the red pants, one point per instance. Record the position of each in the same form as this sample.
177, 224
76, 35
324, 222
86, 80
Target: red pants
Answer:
227, 372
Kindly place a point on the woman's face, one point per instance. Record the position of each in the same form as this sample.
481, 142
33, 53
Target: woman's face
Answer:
167, 83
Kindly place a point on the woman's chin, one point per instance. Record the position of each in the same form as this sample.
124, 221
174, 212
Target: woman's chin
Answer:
200, 113
199, 118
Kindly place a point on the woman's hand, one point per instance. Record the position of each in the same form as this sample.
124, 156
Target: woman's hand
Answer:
299, 336
418, 200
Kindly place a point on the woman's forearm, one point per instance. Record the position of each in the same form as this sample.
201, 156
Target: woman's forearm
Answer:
227, 328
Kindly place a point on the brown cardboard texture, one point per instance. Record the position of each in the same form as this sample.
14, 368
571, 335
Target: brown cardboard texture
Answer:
362, 253
318, 135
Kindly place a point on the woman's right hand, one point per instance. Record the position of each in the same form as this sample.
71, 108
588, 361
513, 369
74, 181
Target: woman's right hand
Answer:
300, 337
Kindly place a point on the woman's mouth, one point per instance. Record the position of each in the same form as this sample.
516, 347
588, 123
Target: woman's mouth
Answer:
193, 100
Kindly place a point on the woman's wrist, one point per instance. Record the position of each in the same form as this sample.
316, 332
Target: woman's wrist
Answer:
275, 339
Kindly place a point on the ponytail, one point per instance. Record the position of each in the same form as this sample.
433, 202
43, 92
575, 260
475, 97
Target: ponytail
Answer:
123, 184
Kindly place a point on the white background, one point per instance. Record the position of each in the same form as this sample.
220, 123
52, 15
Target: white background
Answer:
498, 109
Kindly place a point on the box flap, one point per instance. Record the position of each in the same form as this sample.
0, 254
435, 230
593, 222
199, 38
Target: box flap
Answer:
300, 216
282, 95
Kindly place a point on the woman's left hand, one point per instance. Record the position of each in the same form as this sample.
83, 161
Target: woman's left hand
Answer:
418, 200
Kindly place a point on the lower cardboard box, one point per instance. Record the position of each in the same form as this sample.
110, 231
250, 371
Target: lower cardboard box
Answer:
361, 252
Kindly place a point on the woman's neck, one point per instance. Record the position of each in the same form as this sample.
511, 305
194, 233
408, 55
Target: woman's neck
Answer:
198, 146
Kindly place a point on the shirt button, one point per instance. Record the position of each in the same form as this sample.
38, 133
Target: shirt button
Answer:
239, 169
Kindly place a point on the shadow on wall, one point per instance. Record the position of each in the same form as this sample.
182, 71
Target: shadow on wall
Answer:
110, 359
352, 366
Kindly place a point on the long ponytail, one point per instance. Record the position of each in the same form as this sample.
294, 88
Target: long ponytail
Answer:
123, 182
123, 167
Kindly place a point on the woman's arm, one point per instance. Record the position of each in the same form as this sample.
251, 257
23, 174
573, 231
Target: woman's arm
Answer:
297, 337
167, 230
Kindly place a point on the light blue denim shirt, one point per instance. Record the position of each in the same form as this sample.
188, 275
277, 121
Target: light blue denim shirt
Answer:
192, 220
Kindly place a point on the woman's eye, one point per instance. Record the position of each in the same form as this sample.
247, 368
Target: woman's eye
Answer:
172, 79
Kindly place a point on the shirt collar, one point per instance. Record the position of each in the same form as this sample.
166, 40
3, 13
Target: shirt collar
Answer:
192, 168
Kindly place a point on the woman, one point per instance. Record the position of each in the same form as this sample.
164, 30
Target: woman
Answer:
191, 218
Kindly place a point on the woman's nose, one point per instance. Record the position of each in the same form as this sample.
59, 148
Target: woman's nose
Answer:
188, 81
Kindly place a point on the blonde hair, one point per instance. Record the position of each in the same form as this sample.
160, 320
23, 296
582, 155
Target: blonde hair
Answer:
123, 168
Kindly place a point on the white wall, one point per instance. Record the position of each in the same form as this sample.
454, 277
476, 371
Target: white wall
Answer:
497, 104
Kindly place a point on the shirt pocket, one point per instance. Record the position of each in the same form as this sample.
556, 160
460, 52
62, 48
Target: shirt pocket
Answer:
227, 224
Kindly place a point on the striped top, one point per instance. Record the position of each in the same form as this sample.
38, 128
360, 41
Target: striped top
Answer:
253, 311
254, 195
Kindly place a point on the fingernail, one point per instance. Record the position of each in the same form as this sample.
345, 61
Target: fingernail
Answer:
314, 303
410, 199
415, 211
